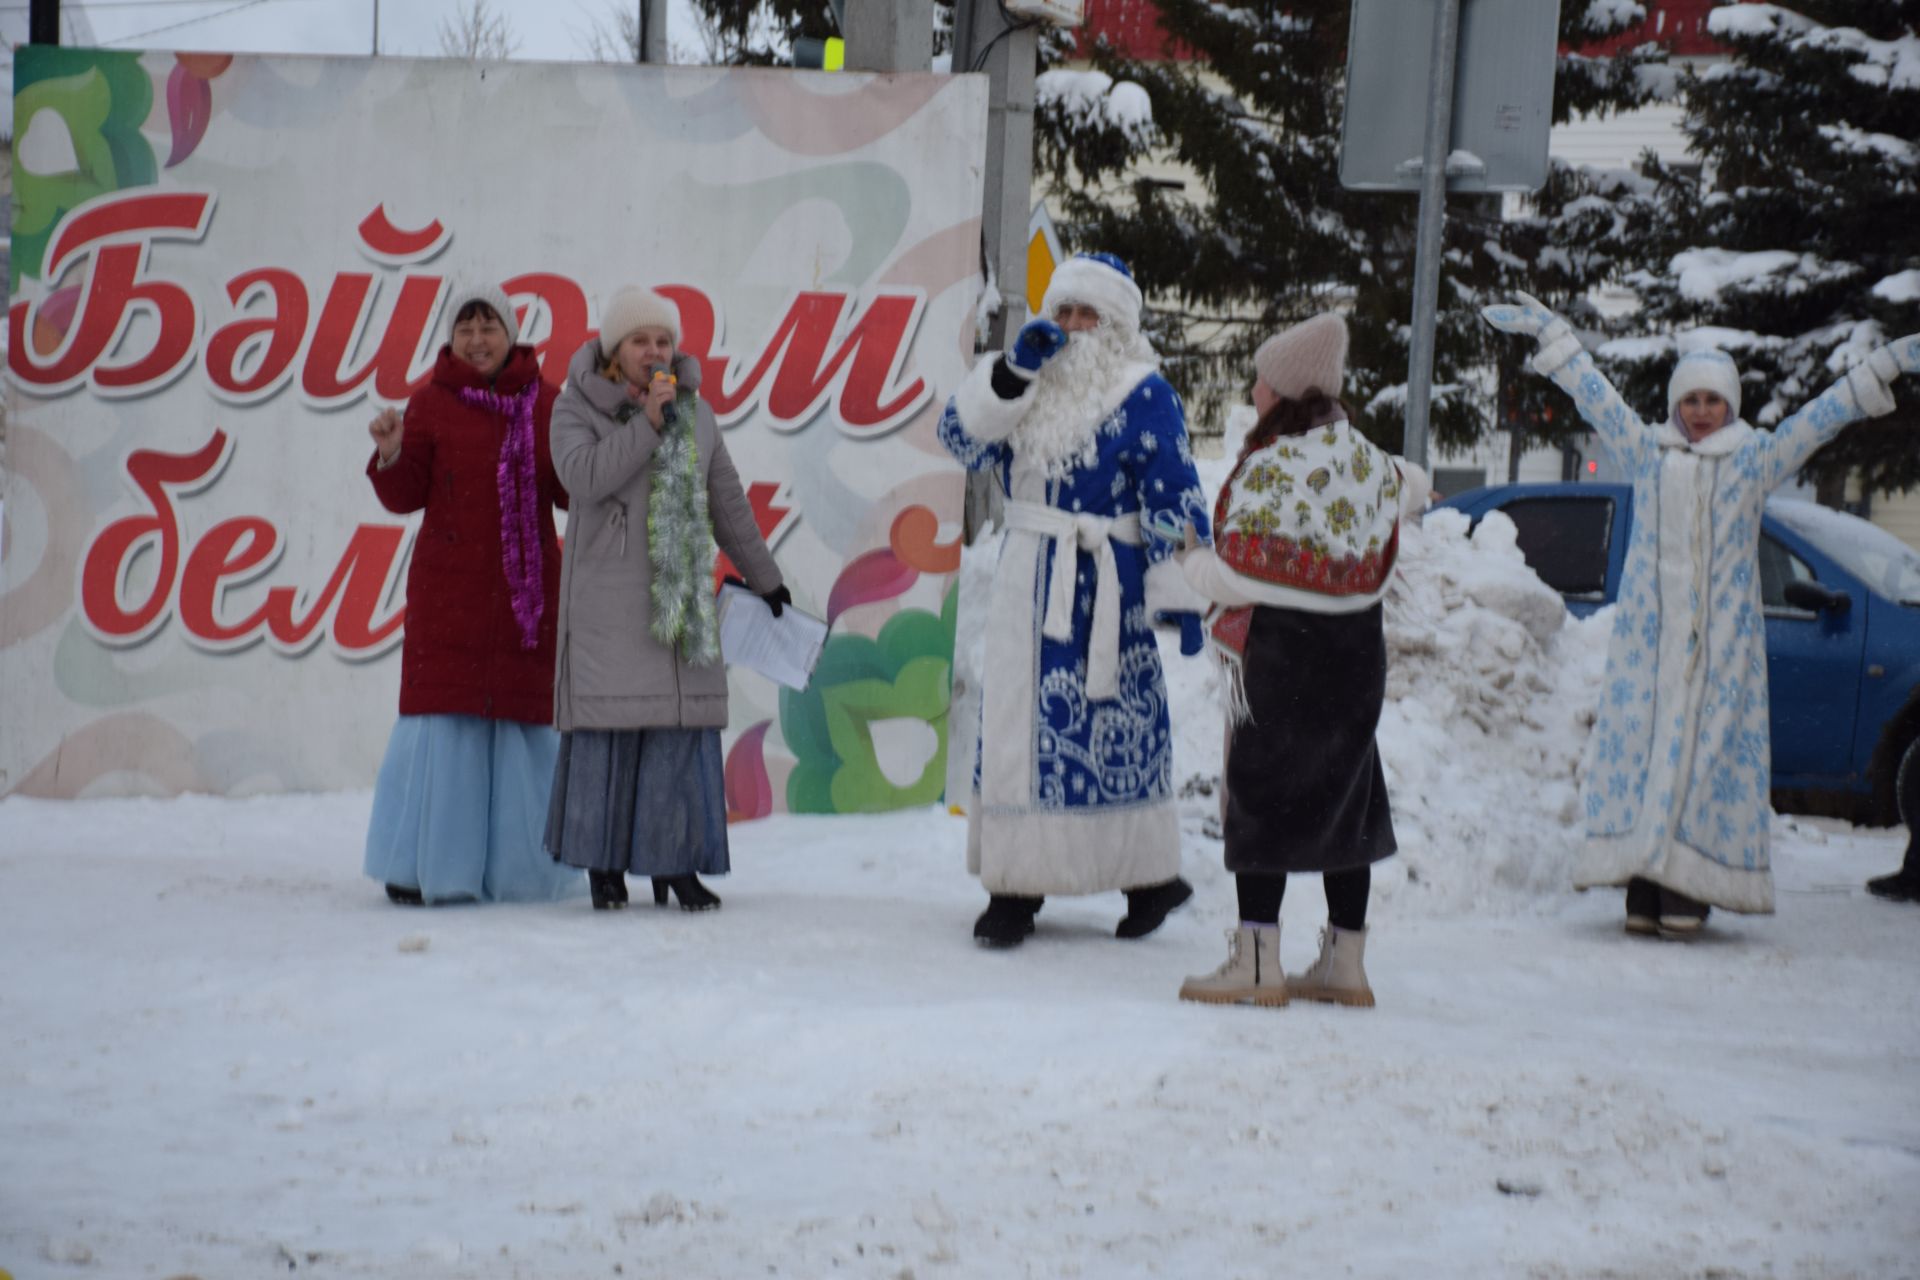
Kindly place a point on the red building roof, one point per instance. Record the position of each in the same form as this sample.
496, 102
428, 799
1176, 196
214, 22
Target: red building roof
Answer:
1679, 26
1133, 28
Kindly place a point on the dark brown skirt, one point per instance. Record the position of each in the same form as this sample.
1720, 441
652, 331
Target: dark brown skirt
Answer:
1304, 787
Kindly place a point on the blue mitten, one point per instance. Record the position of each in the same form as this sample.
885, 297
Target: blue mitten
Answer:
1038, 342
1193, 635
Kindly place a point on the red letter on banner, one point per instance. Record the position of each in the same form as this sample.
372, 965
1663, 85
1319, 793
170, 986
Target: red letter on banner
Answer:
119, 229
359, 580
283, 330
237, 548
873, 351
153, 473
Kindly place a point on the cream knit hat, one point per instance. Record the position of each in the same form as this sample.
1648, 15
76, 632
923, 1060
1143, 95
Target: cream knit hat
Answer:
496, 300
634, 308
1311, 355
1705, 370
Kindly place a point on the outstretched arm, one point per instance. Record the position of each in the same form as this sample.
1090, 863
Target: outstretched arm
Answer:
1864, 391
1565, 362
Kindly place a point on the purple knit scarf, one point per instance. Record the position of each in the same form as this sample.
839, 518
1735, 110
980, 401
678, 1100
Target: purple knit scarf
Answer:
519, 505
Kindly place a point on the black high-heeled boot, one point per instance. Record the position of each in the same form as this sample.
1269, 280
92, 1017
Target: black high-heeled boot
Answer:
609, 889
693, 895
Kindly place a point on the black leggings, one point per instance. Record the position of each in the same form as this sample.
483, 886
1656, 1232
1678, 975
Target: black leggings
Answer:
1347, 891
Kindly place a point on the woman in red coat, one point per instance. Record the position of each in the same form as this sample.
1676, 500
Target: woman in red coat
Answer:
460, 805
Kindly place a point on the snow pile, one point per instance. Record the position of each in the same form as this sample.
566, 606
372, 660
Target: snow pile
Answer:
1092, 98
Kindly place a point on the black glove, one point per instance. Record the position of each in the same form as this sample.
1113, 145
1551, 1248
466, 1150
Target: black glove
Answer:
777, 597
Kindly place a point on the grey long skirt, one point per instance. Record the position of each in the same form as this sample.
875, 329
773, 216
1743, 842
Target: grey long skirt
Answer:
647, 801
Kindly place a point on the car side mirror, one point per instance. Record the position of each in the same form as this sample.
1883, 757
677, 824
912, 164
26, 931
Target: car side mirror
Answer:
1803, 593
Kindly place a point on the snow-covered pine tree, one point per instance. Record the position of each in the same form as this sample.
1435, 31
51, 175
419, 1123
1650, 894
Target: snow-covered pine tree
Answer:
1271, 236
1796, 247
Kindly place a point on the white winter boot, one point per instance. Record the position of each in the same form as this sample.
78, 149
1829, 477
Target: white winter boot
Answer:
1339, 976
1251, 974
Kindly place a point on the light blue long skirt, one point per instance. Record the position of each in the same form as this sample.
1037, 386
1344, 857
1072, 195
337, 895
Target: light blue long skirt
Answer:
460, 808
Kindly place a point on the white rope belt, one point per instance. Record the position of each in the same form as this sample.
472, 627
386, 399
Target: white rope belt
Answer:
1094, 534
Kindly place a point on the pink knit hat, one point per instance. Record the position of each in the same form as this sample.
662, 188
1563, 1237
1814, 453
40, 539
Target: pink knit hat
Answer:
1311, 355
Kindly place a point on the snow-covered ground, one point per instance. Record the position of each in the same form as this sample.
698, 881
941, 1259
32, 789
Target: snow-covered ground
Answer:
223, 1054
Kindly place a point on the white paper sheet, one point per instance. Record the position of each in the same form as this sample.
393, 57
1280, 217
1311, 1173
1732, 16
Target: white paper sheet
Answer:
783, 649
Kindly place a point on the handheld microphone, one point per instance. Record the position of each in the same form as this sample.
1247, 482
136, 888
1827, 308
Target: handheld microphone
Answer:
668, 413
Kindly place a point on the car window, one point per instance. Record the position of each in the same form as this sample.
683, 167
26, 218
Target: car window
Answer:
1886, 564
1565, 541
1778, 567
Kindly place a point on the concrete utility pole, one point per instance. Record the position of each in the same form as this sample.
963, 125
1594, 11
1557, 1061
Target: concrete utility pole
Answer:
651, 44
983, 42
888, 35
43, 22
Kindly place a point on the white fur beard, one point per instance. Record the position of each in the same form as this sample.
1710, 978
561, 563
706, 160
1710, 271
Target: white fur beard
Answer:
1061, 431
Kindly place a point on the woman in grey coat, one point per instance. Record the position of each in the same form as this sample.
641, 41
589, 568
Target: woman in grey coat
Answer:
640, 693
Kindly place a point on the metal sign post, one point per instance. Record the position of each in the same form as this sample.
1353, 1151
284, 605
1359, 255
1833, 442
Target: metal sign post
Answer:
1445, 95
1433, 213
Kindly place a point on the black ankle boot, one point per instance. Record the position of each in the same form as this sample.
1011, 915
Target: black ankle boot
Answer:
402, 896
1643, 907
609, 889
693, 895
1902, 886
1148, 908
1007, 920
1681, 916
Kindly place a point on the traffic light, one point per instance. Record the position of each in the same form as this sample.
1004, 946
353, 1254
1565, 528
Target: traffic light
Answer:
820, 55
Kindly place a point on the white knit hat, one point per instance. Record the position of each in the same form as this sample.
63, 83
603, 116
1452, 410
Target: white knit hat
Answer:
634, 308
1705, 370
1097, 280
1310, 356
495, 298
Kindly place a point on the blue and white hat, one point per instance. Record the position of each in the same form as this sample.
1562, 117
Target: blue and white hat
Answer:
1705, 370
1100, 281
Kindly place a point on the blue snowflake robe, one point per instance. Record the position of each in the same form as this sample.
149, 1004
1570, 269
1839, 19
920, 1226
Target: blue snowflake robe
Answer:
1677, 770
1073, 790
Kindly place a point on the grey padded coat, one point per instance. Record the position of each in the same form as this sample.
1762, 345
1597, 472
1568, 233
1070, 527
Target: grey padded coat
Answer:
609, 671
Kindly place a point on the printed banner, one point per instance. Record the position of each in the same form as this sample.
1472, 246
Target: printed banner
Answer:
222, 266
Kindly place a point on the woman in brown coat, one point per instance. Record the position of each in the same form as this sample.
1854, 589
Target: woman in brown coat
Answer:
640, 693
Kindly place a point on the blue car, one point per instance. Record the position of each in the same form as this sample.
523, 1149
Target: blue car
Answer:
1842, 601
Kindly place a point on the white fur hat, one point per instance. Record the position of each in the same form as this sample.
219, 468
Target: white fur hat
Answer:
496, 300
634, 308
1097, 280
1310, 356
1705, 370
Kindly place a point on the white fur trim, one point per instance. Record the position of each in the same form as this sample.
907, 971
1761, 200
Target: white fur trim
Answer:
1705, 370
983, 413
1555, 354
1873, 396
1168, 591
1097, 285
1668, 435
1073, 851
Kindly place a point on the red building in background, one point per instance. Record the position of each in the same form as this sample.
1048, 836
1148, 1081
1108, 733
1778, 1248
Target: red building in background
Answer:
1133, 28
